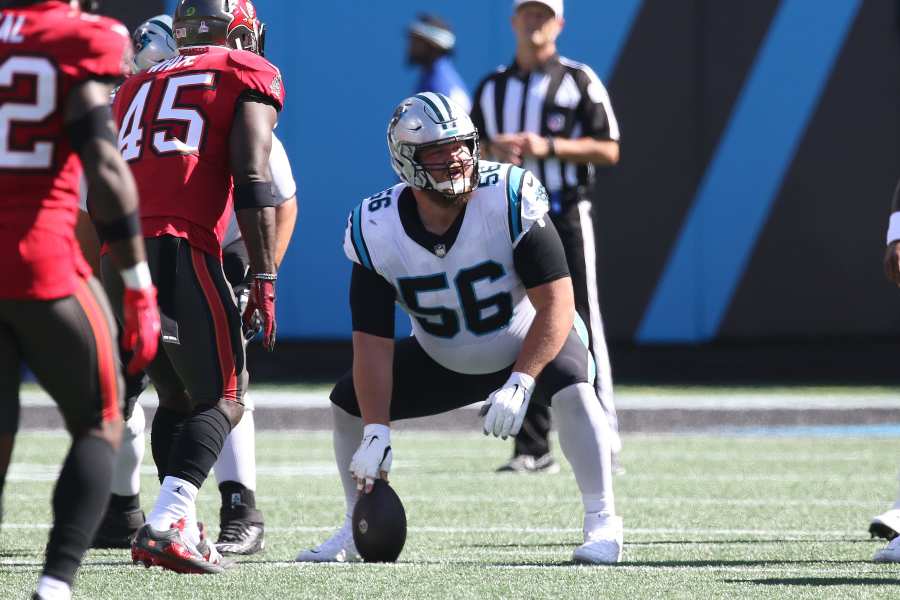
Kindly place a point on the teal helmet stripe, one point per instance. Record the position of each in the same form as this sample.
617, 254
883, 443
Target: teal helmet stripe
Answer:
424, 98
447, 105
162, 25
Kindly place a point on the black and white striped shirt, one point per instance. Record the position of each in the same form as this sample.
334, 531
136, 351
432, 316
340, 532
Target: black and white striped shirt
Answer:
563, 99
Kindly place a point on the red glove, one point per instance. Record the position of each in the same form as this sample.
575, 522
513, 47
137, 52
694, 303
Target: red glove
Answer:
262, 299
141, 333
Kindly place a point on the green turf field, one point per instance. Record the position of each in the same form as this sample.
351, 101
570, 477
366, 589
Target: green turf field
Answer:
705, 517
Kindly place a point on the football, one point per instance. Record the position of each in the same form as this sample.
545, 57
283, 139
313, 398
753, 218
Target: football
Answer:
379, 524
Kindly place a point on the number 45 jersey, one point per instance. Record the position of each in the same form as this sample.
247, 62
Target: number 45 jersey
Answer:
174, 125
46, 50
468, 306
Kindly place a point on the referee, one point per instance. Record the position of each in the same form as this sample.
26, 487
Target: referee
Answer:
552, 116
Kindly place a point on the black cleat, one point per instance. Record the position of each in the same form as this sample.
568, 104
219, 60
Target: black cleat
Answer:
241, 530
525, 463
118, 528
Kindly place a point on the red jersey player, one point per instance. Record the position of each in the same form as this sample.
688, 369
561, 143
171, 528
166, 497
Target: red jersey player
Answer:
197, 132
56, 65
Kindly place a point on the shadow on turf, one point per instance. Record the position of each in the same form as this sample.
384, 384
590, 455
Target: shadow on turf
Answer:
818, 581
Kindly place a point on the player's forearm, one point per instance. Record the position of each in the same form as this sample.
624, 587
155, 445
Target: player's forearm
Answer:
258, 229
285, 220
86, 234
373, 360
545, 338
587, 150
554, 303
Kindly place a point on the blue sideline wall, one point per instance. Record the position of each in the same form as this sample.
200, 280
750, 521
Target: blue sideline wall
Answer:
344, 70
760, 148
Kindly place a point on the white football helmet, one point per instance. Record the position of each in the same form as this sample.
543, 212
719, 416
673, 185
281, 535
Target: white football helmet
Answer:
430, 119
153, 43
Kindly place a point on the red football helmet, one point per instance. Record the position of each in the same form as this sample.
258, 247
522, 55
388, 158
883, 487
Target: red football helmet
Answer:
230, 23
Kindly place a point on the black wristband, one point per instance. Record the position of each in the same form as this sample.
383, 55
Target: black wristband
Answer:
551, 147
253, 195
122, 228
97, 123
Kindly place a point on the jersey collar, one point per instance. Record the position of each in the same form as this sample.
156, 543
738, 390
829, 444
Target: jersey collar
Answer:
439, 245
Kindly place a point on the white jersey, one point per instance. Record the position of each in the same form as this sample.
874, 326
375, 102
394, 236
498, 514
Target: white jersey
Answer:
283, 187
468, 307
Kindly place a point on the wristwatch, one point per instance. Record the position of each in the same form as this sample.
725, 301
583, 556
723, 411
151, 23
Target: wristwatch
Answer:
551, 146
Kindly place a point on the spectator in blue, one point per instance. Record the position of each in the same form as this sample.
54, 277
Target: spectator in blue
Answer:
431, 43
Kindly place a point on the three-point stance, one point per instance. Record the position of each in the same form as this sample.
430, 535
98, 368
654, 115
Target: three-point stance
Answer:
466, 249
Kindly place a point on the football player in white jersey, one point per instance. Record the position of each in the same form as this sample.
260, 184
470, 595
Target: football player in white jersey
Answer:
464, 247
241, 527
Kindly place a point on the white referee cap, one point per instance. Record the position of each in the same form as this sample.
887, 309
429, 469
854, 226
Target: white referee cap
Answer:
555, 5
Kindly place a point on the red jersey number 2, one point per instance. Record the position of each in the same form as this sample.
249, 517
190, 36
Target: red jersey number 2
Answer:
131, 133
39, 156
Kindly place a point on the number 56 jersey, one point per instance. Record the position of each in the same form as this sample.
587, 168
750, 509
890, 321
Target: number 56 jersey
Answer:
175, 122
468, 306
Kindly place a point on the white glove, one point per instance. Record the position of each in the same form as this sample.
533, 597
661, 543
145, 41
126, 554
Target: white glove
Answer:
373, 456
504, 410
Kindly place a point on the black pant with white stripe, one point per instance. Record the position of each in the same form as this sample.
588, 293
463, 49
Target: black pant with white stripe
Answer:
576, 229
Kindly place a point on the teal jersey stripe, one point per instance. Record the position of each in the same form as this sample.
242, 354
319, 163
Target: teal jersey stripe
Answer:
359, 243
513, 195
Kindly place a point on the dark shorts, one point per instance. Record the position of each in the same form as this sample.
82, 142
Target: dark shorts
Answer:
423, 388
201, 351
235, 263
69, 344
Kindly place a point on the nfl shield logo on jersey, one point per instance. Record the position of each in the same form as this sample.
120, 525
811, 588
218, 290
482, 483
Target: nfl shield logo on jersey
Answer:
440, 250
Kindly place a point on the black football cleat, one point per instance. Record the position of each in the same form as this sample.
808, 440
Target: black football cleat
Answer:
525, 463
118, 528
241, 530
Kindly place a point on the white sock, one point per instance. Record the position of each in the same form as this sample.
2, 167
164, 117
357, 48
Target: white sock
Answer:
346, 437
237, 461
584, 437
53, 589
126, 479
177, 499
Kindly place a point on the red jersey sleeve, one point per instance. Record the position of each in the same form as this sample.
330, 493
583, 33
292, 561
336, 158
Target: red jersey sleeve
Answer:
101, 49
258, 75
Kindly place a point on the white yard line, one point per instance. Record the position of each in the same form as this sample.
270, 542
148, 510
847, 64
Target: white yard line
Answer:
782, 534
565, 500
705, 400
